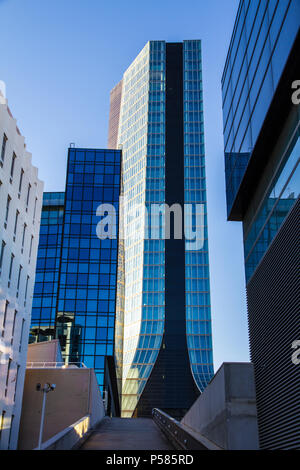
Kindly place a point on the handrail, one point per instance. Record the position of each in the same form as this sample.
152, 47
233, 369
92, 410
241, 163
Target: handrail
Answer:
179, 435
55, 365
74, 428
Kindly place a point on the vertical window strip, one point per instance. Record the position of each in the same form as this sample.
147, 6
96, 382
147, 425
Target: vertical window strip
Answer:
4, 141
2, 254
21, 181
13, 165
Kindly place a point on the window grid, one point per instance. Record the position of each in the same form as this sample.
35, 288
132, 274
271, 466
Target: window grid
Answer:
198, 315
264, 34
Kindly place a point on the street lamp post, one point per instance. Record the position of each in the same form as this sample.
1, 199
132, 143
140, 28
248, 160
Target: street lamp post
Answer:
46, 389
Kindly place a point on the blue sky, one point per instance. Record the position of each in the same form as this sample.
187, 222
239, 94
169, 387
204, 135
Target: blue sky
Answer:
60, 59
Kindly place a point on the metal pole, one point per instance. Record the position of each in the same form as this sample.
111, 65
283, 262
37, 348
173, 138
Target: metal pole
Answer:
42, 418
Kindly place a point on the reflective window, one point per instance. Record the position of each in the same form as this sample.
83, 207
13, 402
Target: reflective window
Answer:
263, 36
47, 270
87, 285
197, 263
275, 207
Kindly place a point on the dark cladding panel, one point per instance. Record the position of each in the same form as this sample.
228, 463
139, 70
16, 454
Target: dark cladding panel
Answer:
274, 323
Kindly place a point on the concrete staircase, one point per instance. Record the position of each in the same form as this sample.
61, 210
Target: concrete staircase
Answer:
126, 434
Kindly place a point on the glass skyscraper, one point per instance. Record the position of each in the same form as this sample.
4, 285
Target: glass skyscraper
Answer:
47, 268
166, 328
75, 292
262, 155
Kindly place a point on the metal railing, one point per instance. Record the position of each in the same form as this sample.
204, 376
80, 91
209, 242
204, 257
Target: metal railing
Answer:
179, 436
55, 365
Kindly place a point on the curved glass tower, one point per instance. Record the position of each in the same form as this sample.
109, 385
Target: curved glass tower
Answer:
166, 321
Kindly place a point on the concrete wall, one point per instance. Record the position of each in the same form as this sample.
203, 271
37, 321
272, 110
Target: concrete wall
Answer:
47, 351
225, 413
70, 437
75, 396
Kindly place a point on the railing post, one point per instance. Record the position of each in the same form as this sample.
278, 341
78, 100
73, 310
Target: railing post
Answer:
42, 419
47, 388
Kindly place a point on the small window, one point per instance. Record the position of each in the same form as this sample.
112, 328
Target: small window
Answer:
7, 210
21, 337
30, 249
7, 374
2, 254
28, 195
16, 224
14, 324
24, 234
10, 268
34, 212
21, 181
5, 316
16, 382
4, 141
19, 279
26, 289
12, 168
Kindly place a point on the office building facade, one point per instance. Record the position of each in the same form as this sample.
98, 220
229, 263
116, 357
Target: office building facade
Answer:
262, 150
75, 291
47, 268
167, 345
114, 115
21, 200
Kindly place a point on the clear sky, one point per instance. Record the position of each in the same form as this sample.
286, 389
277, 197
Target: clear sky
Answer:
60, 59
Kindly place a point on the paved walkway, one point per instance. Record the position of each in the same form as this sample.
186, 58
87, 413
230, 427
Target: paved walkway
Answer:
127, 434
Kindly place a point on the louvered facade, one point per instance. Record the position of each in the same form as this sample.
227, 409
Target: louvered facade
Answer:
262, 154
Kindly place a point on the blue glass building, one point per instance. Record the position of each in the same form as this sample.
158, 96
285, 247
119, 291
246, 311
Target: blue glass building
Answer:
47, 268
262, 154
75, 293
167, 344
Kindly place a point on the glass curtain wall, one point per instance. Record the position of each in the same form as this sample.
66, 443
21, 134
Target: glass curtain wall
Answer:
47, 268
198, 311
87, 285
141, 136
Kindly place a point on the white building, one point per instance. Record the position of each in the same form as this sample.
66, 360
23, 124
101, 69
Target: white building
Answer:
21, 194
